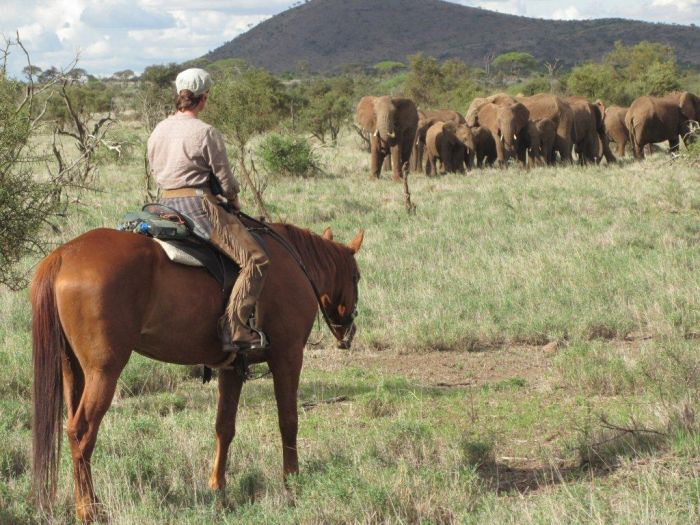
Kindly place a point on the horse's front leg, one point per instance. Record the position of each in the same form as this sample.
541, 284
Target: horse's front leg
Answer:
230, 383
286, 380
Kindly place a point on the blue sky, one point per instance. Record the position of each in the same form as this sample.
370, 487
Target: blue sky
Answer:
112, 35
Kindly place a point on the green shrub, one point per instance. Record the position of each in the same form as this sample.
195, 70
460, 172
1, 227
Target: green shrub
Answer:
287, 155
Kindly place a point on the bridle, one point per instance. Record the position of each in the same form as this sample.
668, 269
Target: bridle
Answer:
335, 327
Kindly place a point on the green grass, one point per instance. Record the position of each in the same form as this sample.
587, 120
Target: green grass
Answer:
494, 266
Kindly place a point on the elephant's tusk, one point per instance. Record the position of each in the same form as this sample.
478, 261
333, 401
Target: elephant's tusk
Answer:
392, 135
376, 133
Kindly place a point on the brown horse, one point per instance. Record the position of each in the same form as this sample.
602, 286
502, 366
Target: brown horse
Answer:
108, 293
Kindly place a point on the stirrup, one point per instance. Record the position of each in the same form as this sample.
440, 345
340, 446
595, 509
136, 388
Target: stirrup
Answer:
261, 344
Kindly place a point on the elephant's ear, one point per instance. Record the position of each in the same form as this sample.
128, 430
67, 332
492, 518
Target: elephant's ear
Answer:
472, 116
523, 112
601, 105
450, 127
687, 105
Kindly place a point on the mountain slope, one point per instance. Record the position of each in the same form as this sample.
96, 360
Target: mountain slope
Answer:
325, 35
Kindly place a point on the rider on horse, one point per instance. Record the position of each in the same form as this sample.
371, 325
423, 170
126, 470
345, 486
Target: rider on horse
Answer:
183, 154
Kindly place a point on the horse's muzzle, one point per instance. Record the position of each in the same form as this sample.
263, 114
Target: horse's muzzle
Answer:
346, 341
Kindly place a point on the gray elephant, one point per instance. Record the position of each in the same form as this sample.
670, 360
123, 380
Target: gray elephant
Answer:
615, 127
442, 144
557, 110
590, 141
508, 124
425, 120
392, 124
472, 115
480, 148
547, 132
658, 119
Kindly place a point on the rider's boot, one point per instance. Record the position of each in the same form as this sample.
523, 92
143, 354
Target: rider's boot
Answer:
231, 237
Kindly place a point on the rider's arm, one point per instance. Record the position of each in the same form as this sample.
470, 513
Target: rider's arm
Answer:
214, 151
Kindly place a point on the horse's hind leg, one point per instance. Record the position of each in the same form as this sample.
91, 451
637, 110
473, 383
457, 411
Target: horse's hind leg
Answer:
230, 383
100, 384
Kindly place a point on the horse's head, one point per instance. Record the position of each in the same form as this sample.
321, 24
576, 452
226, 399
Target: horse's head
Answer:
340, 306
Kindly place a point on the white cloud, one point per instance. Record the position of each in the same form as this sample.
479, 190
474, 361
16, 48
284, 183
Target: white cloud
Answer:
127, 34
680, 5
567, 13
131, 34
124, 14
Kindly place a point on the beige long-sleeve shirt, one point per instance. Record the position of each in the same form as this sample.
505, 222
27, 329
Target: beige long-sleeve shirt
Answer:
183, 152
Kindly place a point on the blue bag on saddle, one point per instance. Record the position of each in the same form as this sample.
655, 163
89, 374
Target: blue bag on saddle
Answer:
158, 221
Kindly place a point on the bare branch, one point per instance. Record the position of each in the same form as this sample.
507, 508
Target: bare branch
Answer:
629, 430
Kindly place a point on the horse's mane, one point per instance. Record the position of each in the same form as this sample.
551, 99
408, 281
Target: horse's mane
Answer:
319, 254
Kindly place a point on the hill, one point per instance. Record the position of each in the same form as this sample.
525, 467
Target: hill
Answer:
326, 35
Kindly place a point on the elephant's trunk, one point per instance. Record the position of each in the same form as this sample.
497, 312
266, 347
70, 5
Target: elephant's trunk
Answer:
385, 123
508, 137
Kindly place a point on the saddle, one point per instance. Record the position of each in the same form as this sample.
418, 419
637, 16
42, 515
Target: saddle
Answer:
186, 249
192, 251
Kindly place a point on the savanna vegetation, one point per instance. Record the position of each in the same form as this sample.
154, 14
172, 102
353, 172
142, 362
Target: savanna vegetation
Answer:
527, 345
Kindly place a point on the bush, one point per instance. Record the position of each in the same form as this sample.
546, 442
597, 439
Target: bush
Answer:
287, 155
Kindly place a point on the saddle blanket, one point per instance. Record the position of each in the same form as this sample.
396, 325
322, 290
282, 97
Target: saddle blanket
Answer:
178, 255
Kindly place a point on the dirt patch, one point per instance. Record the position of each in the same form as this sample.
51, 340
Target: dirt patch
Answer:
446, 369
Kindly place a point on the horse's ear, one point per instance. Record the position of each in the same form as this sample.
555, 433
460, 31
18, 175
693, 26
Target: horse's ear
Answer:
325, 300
328, 234
356, 243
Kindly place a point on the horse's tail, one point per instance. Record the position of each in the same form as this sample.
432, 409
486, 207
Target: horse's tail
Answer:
48, 346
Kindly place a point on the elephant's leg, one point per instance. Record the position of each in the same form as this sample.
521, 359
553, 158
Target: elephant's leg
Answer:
230, 384
607, 152
421, 156
674, 145
376, 157
521, 153
564, 147
433, 165
406, 150
461, 156
470, 159
621, 148
387, 163
446, 158
396, 166
413, 165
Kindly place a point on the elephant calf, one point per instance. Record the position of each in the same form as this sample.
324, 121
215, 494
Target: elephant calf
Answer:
425, 120
441, 143
480, 148
547, 131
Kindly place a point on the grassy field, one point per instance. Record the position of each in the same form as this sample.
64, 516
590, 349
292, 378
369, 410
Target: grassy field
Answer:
527, 353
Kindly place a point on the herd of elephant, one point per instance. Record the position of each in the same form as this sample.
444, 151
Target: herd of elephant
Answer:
537, 130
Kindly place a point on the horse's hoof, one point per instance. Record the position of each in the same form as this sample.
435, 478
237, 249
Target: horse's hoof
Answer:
92, 513
215, 484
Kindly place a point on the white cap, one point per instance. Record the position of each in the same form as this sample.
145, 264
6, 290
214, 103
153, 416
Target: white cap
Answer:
196, 80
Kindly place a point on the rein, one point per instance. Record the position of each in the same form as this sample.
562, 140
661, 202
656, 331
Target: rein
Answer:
261, 226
